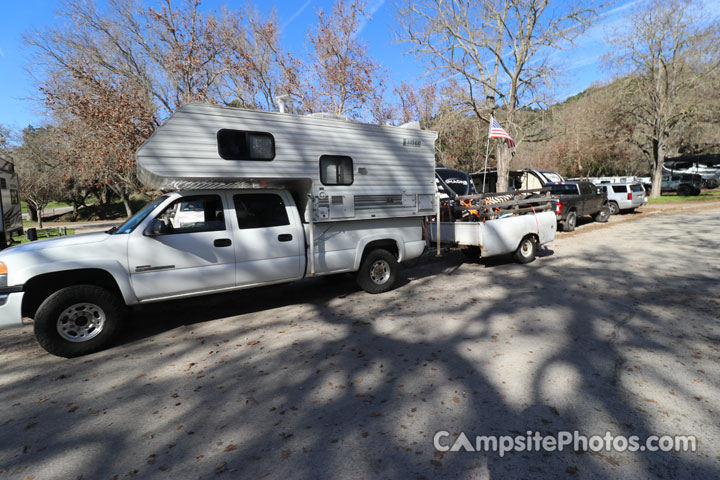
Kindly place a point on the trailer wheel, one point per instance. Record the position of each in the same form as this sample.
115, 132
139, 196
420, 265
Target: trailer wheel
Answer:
377, 271
570, 221
525, 252
78, 320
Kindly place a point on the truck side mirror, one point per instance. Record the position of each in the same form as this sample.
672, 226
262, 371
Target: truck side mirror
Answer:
156, 227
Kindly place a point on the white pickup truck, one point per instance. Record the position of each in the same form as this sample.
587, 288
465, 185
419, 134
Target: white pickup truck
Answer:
186, 244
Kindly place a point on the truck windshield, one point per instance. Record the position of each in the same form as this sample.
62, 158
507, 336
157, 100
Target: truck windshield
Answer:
133, 222
564, 189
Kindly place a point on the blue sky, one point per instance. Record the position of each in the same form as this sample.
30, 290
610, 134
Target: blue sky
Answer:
583, 65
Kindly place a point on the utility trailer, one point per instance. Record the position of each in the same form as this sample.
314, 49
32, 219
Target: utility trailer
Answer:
490, 224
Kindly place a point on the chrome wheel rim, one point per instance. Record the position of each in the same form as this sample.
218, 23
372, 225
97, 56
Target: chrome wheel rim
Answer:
571, 220
81, 322
380, 272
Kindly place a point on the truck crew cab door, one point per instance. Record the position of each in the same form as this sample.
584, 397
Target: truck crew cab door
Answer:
269, 238
589, 201
188, 251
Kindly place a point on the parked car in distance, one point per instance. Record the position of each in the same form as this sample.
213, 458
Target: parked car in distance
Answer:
624, 197
576, 199
685, 184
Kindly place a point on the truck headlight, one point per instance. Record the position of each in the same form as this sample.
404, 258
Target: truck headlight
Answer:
3, 274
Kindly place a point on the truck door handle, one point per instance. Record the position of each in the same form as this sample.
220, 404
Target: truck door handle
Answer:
285, 237
222, 242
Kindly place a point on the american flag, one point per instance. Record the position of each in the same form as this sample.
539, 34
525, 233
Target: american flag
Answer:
496, 131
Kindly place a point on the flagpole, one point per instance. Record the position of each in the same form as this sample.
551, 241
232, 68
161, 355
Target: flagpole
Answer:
487, 152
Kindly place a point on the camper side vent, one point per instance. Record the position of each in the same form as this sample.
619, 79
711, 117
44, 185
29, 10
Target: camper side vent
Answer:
368, 202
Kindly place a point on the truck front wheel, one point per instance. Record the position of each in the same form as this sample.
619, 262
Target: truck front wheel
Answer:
78, 320
377, 271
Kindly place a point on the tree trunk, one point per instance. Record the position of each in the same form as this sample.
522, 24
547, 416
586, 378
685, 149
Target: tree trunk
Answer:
75, 211
504, 156
39, 209
657, 174
126, 202
33, 213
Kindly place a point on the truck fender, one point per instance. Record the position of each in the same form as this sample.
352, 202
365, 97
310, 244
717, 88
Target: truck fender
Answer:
113, 267
365, 241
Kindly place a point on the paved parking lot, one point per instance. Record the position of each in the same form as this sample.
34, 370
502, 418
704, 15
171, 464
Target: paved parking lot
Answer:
615, 328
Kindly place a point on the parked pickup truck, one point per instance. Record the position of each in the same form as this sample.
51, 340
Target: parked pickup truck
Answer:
186, 244
575, 199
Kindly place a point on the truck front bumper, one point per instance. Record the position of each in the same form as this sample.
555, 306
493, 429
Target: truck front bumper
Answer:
10, 308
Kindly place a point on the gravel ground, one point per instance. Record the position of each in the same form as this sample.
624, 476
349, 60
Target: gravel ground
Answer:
613, 329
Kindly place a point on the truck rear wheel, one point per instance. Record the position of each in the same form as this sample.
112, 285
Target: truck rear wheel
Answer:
603, 215
78, 320
684, 190
377, 271
570, 221
525, 252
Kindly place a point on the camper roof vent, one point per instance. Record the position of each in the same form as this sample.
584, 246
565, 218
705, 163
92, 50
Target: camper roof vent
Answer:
411, 125
328, 116
284, 102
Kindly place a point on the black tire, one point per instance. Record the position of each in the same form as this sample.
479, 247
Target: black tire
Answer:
471, 252
712, 183
614, 209
570, 221
377, 272
603, 215
696, 192
62, 326
526, 251
684, 190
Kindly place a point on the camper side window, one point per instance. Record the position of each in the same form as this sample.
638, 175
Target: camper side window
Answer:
336, 170
3, 183
14, 197
242, 145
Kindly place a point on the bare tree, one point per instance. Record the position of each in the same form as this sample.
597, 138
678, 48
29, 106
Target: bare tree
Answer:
499, 49
417, 103
341, 78
105, 120
253, 60
36, 161
667, 52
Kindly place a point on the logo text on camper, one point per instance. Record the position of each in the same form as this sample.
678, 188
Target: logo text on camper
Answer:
411, 142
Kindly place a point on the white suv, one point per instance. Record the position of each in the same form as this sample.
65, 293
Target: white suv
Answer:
624, 196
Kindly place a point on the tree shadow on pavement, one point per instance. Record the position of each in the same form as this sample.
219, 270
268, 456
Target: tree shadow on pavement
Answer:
319, 380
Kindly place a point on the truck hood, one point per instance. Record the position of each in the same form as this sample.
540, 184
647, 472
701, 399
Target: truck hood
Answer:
70, 240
